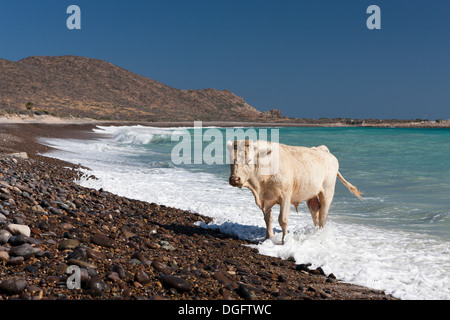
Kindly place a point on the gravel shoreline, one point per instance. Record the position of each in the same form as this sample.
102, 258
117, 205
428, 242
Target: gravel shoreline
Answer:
124, 248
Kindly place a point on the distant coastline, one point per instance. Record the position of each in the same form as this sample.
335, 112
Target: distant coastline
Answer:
286, 122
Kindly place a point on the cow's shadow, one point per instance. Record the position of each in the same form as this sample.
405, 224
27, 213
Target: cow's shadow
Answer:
248, 234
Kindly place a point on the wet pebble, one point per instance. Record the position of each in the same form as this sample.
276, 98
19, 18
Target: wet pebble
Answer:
303, 267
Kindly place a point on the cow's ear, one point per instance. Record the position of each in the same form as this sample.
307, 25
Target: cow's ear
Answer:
230, 145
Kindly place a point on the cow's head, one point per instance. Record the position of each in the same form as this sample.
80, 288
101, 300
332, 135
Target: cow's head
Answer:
242, 161
247, 159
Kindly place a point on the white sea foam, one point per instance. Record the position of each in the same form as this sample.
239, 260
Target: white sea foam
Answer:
405, 264
138, 135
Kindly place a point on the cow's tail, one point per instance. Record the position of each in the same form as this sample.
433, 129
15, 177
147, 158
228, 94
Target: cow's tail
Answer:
350, 187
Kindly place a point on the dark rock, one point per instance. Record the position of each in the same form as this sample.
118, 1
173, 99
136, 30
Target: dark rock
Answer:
161, 267
102, 240
320, 270
245, 292
32, 269
25, 250
85, 276
21, 239
331, 278
303, 267
113, 276
281, 278
78, 253
55, 211
96, 287
95, 255
69, 235
120, 271
140, 256
44, 226
45, 204
311, 288
221, 276
13, 285
177, 283
44, 254
141, 277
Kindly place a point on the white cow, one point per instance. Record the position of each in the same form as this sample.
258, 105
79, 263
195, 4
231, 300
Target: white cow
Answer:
285, 175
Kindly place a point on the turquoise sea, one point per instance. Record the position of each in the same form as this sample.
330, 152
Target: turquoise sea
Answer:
396, 239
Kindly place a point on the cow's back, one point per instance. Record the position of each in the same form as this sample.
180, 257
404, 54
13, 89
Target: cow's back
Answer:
306, 169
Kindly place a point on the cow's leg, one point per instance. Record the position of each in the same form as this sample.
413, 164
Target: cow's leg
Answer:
283, 218
314, 206
268, 219
325, 201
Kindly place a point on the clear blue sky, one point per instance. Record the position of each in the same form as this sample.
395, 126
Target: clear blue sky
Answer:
310, 58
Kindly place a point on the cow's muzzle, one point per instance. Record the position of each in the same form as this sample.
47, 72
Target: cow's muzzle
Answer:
235, 181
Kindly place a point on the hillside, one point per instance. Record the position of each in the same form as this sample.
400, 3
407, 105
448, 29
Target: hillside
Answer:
85, 87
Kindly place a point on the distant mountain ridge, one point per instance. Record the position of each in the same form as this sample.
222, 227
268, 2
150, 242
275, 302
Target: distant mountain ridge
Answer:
86, 87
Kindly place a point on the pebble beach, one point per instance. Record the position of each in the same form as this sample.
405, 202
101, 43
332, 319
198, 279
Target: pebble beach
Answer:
126, 249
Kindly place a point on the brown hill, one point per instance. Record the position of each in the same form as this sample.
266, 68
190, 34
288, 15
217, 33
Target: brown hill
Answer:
85, 87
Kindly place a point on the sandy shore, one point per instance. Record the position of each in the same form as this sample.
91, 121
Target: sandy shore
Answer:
128, 249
